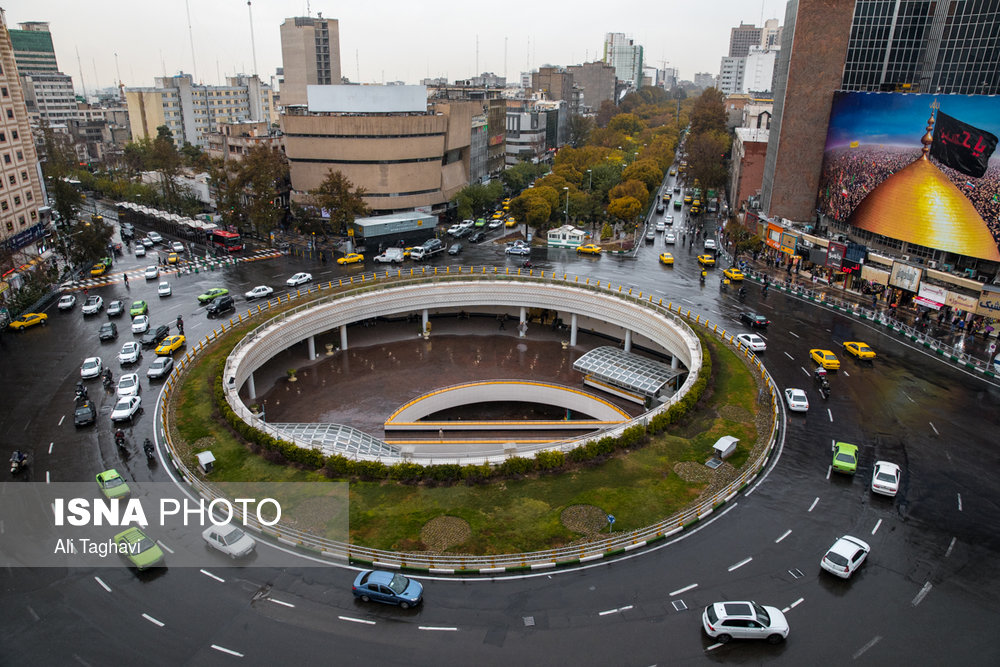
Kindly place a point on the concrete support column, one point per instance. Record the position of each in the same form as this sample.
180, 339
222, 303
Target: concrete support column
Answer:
572, 329
423, 320
628, 340
521, 321
343, 336
674, 363
251, 388
312, 348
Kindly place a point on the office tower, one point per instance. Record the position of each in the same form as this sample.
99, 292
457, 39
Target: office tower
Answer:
310, 55
625, 56
742, 38
48, 93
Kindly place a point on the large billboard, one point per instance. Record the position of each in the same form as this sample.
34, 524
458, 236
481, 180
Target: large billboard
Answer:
878, 144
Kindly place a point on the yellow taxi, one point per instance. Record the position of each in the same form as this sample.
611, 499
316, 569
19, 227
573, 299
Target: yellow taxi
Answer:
733, 273
825, 358
506, 204
28, 320
351, 258
706, 260
511, 222
666, 258
859, 350
98, 269
673, 170
169, 345
172, 258
497, 215
696, 202
406, 251
688, 199
589, 249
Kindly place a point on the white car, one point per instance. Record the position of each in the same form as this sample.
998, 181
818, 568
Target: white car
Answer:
140, 250
660, 226
518, 250
495, 224
154, 237
229, 539
67, 302
160, 367
709, 244
669, 219
845, 556
797, 400
146, 242
259, 292
140, 324
128, 385
467, 224
752, 341
92, 367
151, 273
126, 408
93, 305
454, 229
177, 246
670, 238
131, 353
163, 289
744, 620
299, 279
885, 479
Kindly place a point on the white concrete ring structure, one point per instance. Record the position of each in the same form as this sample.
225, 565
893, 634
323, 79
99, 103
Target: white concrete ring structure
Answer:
613, 311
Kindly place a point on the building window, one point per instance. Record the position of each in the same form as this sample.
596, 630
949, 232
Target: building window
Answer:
17, 200
3, 205
24, 176
21, 220
3, 91
34, 216
10, 113
13, 134
3, 136
20, 156
13, 179
10, 226
6, 158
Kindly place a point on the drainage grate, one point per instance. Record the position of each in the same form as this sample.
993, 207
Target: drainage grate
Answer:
796, 573
713, 463
679, 605
529, 621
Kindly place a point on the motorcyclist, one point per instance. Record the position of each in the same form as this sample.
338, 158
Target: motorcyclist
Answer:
743, 292
119, 437
18, 457
527, 264
180, 324
704, 273
147, 447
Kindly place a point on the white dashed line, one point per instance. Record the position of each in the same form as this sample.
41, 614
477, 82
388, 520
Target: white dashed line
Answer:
437, 628
922, 594
830, 413
959, 502
784, 535
226, 650
933, 428
282, 603
813, 506
846, 374
712, 647
614, 611
47, 478
51, 444
683, 590
33, 613
61, 419
950, 547
741, 563
209, 574
164, 546
788, 355
351, 619
828, 470
867, 646
152, 620
877, 524
792, 333
796, 603
803, 369
103, 585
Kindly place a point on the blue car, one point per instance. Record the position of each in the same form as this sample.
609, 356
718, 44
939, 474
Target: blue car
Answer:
387, 587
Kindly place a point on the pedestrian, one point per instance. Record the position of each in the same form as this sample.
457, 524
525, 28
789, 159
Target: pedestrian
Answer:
500, 319
125, 278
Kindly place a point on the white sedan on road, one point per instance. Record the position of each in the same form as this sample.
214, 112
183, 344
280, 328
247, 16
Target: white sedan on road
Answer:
797, 400
752, 341
140, 324
128, 385
259, 292
299, 279
670, 238
151, 273
229, 539
163, 289
126, 408
845, 556
131, 351
885, 479
92, 367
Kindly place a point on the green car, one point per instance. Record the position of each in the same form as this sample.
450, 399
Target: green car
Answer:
211, 294
138, 308
845, 457
138, 548
112, 484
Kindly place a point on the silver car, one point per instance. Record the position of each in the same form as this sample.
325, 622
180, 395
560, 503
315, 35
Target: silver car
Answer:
229, 539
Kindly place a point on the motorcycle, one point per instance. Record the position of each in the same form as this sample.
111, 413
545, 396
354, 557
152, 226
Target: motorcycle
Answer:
742, 294
824, 389
120, 440
18, 461
527, 264
147, 447
81, 392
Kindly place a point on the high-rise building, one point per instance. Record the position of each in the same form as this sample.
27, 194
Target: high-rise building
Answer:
310, 55
770, 34
625, 56
704, 80
22, 205
731, 75
866, 45
48, 93
557, 83
597, 79
742, 38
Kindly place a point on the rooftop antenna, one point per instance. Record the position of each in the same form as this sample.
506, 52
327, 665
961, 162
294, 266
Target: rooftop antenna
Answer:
194, 66
82, 83
253, 46
121, 84
93, 62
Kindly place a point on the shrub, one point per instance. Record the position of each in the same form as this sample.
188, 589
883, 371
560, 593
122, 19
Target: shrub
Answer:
445, 472
406, 471
550, 460
371, 470
516, 466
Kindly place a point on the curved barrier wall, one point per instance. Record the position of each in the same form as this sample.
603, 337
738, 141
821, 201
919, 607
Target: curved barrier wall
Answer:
610, 546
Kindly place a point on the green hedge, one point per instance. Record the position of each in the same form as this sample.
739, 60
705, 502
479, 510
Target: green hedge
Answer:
339, 466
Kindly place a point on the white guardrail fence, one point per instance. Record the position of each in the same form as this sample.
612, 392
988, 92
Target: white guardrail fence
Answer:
610, 546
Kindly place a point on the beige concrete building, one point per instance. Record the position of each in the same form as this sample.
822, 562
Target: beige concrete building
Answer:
404, 152
232, 140
310, 55
23, 214
597, 80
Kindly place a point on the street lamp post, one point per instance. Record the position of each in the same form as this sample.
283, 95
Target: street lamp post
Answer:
567, 204
590, 179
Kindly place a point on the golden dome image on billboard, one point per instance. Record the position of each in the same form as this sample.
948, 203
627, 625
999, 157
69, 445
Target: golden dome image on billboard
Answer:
887, 169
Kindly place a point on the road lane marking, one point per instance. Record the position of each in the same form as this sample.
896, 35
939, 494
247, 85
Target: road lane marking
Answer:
223, 649
209, 574
922, 594
164, 546
741, 563
846, 374
103, 585
33, 613
935, 429
828, 470
351, 619
813, 506
867, 646
788, 355
683, 590
907, 397
877, 524
713, 647
153, 620
51, 444
784, 535
282, 603
793, 334
803, 369
830, 413
960, 502
437, 628
950, 547
61, 420
47, 478
614, 611
796, 603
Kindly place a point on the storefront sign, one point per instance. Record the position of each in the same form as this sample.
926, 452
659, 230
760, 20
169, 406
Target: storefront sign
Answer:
932, 292
788, 243
905, 276
835, 254
961, 302
871, 274
773, 238
989, 302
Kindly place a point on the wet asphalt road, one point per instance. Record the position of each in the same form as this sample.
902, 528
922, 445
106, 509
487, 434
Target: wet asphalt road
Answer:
927, 594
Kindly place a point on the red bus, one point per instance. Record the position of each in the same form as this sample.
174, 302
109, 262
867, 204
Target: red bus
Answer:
228, 241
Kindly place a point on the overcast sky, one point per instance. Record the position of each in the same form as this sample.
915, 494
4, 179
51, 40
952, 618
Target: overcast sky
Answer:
386, 40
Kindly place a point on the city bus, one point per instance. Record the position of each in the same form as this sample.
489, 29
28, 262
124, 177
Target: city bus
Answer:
228, 241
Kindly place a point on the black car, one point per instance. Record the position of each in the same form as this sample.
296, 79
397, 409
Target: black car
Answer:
753, 320
85, 413
153, 337
109, 331
116, 308
477, 237
221, 304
